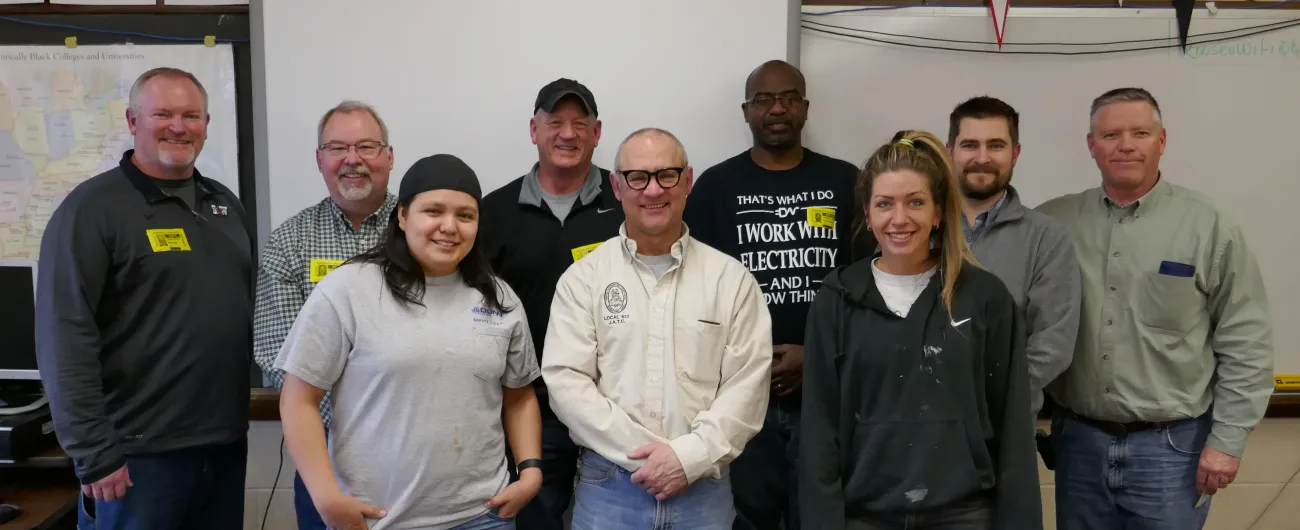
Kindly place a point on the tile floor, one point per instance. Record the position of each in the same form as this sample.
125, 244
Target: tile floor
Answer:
1266, 495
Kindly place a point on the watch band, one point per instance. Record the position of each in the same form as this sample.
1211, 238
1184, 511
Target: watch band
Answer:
531, 462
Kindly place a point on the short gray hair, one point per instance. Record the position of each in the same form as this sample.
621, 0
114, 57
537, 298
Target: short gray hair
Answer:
163, 71
1120, 95
348, 107
681, 150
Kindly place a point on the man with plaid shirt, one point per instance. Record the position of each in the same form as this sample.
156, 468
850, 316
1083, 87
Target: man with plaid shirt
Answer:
355, 159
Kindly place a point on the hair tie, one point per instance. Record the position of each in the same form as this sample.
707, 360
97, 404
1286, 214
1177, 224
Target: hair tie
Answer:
905, 141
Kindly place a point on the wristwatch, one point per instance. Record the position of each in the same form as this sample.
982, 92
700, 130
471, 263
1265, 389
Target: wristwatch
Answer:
531, 462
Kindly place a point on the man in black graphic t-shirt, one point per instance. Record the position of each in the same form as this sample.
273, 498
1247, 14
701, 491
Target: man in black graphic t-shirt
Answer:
790, 216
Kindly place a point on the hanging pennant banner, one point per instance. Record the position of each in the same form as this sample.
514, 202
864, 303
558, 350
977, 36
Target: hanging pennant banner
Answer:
999, 8
1183, 9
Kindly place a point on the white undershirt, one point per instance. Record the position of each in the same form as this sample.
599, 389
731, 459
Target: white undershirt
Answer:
899, 291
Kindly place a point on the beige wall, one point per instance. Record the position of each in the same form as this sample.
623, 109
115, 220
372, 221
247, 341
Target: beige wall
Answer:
1266, 495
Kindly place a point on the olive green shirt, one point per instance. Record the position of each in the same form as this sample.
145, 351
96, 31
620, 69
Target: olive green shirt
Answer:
1174, 319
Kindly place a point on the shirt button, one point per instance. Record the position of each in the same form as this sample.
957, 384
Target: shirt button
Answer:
1108, 322
654, 379
681, 376
1106, 391
654, 415
1116, 254
1112, 287
1105, 357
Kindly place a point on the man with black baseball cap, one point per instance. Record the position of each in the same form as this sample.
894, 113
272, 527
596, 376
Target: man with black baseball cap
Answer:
532, 229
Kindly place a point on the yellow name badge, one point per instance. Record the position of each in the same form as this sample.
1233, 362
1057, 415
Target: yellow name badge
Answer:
167, 239
1286, 382
321, 267
582, 251
821, 217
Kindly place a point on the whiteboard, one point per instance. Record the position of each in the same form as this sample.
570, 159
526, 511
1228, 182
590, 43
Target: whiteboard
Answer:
461, 77
1232, 109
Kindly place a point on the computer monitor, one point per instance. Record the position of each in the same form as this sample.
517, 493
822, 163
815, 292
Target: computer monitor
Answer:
18, 320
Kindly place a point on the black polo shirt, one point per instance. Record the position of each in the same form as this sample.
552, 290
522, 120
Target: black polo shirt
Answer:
530, 248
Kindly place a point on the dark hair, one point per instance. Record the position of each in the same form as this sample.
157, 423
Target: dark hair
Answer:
982, 107
405, 276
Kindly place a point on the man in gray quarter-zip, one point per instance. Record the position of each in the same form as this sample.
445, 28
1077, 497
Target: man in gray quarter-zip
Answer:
1030, 252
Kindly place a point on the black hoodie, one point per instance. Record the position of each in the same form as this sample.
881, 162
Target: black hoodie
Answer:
914, 413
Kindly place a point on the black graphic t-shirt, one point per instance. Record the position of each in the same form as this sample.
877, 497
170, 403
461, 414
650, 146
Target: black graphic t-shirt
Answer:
790, 228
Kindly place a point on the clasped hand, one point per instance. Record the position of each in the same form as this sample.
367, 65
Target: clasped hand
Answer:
662, 474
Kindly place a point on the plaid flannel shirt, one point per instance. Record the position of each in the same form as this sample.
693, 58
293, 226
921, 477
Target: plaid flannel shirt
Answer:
299, 253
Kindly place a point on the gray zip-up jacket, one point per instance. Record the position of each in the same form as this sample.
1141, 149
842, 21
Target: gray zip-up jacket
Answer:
144, 314
1033, 255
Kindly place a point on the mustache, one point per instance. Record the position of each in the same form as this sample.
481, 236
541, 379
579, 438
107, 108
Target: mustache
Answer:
981, 168
359, 169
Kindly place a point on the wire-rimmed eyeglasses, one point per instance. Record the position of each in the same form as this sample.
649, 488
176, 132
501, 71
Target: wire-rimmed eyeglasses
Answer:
366, 149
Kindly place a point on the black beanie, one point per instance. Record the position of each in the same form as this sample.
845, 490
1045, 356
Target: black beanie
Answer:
438, 172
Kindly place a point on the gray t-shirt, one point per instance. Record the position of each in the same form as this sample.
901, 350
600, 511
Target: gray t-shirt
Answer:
560, 204
417, 391
657, 264
183, 188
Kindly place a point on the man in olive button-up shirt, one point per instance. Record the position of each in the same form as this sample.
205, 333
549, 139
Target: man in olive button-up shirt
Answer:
1174, 361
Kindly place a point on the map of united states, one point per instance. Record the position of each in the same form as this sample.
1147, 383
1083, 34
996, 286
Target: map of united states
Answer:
63, 120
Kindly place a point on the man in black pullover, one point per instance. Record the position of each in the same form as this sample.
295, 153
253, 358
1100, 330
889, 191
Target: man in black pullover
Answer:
144, 325
532, 230
788, 214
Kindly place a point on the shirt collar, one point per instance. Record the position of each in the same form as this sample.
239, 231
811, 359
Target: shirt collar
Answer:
147, 187
531, 191
986, 218
379, 216
678, 250
1146, 202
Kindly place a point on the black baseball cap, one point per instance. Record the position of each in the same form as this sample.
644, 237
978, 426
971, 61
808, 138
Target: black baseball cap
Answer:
558, 89
439, 172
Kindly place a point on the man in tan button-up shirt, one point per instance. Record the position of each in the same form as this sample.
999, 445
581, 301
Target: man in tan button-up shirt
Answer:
658, 357
1174, 361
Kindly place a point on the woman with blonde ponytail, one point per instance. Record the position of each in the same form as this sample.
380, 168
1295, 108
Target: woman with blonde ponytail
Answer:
916, 410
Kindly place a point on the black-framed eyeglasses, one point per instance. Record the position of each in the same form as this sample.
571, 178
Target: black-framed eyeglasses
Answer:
638, 179
765, 101
366, 149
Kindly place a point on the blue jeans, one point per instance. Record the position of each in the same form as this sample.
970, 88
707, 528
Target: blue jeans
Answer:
971, 514
765, 476
608, 500
487, 521
304, 508
195, 488
559, 465
1145, 480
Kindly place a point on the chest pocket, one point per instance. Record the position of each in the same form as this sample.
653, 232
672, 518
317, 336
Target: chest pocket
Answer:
699, 353
1168, 303
487, 347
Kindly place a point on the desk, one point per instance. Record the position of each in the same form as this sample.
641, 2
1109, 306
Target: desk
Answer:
46, 489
